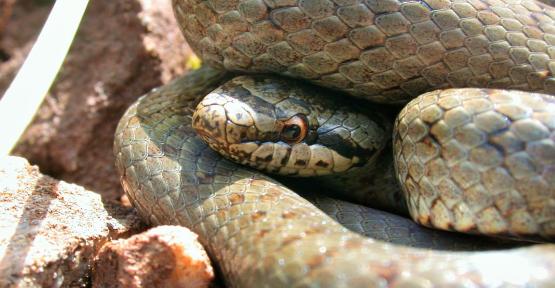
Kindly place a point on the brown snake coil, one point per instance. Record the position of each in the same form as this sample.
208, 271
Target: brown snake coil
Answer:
491, 151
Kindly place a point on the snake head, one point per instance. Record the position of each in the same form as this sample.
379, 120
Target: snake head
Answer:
286, 127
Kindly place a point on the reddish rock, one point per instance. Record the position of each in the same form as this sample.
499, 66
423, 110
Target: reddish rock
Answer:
166, 256
50, 230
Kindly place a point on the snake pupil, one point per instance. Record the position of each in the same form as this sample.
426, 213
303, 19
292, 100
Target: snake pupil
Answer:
291, 132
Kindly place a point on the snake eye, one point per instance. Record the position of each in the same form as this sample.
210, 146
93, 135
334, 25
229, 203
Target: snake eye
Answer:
291, 132
294, 129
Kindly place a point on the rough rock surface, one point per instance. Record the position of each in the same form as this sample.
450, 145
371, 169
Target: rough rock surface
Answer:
50, 230
166, 256
122, 50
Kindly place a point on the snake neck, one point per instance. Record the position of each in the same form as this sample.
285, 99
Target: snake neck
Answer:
374, 184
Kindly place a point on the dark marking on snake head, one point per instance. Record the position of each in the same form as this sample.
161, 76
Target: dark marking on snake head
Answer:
264, 159
322, 164
285, 158
208, 126
345, 147
300, 162
231, 89
338, 144
272, 169
242, 155
311, 137
301, 106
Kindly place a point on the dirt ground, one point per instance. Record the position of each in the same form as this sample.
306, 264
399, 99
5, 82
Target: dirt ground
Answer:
122, 50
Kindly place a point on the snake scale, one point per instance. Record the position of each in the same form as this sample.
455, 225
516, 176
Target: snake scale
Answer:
472, 160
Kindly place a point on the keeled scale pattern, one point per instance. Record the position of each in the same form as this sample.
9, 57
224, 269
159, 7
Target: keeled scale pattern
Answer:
479, 161
260, 233
392, 228
384, 50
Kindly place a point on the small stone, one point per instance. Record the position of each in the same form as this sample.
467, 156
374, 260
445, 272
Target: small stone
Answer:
165, 256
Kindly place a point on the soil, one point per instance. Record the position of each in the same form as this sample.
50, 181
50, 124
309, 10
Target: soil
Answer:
122, 50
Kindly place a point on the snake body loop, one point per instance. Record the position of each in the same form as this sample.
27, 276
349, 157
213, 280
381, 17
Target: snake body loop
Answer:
263, 234
473, 160
385, 51
460, 164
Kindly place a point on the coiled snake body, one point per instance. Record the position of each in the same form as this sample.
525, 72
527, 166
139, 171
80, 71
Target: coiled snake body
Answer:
472, 160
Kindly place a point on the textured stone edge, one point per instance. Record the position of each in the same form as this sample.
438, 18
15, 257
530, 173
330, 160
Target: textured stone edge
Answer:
50, 230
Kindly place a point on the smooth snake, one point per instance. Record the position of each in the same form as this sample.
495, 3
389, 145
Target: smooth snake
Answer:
491, 151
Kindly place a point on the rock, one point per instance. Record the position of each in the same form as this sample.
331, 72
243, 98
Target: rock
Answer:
122, 50
50, 230
165, 256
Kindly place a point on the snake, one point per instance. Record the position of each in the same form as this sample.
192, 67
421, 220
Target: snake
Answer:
472, 151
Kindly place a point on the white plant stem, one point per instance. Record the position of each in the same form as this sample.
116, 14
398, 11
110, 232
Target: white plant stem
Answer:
27, 91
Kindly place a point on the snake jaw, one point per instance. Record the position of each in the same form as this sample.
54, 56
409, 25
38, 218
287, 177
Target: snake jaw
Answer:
221, 121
